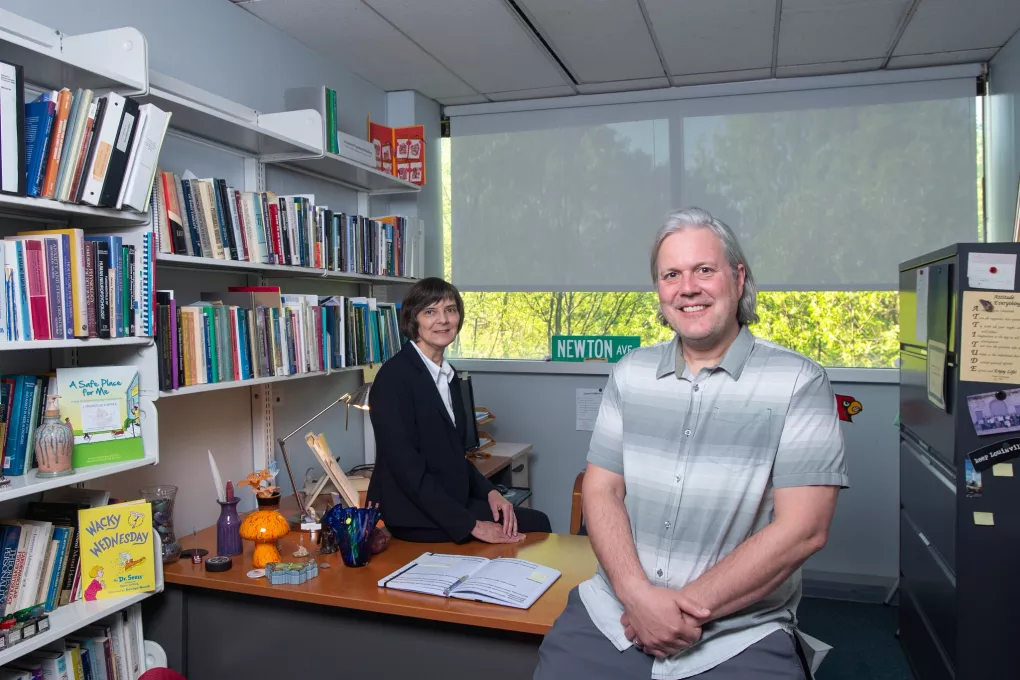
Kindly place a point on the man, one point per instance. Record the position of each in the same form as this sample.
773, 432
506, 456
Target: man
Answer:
712, 476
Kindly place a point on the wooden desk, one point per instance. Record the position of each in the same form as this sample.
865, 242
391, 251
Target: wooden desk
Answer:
208, 623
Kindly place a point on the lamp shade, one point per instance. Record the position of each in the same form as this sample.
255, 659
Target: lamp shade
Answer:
359, 399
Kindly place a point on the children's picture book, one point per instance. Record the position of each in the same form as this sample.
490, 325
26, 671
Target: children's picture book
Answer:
102, 404
507, 581
117, 550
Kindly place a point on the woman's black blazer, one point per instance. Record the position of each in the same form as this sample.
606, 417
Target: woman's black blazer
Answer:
421, 477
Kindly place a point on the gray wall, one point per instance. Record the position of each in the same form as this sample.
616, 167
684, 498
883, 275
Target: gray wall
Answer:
863, 542
1003, 140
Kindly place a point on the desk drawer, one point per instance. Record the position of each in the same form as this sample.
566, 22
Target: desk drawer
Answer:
519, 476
922, 651
929, 497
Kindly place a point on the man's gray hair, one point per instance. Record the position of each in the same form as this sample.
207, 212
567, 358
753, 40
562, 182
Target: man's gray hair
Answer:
691, 218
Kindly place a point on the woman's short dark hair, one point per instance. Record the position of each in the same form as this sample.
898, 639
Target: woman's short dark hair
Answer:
422, 295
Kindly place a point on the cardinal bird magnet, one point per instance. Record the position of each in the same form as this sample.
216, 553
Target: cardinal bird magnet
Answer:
848, 407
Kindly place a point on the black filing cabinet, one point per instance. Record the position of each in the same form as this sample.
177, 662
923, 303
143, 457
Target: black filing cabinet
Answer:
959, 574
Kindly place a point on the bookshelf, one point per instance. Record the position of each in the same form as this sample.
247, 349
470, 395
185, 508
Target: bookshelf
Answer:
117, 60
234, 384
84, 216
66, 620
114, 60
170, 261
213, 118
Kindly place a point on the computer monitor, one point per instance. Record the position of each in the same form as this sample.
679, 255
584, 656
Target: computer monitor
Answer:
467, 398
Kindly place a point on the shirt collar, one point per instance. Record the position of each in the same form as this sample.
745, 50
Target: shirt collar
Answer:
446, 370
672, 360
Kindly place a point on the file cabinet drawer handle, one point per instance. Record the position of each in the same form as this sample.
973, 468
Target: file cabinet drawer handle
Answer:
519, 468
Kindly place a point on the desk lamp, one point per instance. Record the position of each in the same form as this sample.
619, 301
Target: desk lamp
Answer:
359, 400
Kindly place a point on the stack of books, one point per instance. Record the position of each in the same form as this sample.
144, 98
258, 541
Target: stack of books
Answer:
77, 147
255, 332
208, 218
60, 284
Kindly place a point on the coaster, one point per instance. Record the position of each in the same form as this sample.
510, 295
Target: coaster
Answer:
256, 573
218, 563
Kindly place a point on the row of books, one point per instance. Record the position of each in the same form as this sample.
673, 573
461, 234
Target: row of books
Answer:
60, 284
77, 147
105, 650
256, 332
109, 393
208, 218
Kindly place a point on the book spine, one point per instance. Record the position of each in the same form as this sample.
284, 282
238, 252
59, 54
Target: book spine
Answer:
54, 294
90, 289
102, 286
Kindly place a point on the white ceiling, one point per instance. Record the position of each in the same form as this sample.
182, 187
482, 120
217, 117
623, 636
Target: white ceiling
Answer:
471, 51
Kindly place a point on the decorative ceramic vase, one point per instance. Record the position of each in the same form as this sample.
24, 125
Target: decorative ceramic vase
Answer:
54, 442
162, 500
228, 535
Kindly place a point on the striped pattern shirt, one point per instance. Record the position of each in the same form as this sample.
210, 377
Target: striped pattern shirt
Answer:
700, 456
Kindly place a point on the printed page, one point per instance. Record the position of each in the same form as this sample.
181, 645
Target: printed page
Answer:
434, 574
507, 581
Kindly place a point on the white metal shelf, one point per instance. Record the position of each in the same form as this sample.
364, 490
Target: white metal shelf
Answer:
25, 485
233, 384
66, 620
355, 175
104, 60
270, 270
130, 341
211, 117
84, 216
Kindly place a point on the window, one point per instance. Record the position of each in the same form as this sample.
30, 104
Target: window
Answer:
826, 200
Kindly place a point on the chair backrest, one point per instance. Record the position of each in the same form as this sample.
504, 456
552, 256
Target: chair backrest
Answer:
576, 509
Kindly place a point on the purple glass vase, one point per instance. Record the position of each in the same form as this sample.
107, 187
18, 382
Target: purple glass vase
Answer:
228, 529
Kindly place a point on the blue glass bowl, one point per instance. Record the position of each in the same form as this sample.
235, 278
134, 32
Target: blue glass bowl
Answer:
353, 529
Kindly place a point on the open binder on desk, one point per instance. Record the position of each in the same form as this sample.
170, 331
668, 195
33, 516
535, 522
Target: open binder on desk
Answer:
506, 581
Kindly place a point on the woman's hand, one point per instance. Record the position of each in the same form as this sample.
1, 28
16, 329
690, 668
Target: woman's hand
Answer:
498, 503
491, 532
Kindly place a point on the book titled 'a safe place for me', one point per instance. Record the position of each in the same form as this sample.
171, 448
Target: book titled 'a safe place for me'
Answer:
102, 404
117, 550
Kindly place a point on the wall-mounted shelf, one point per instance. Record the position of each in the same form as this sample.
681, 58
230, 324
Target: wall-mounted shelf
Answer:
75, 343
66, 620
269, 270
25, 485
232, 384
104, 60
211, 117
84, 216
355, 175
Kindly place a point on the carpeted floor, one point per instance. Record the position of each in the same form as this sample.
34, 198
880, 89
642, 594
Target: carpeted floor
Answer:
863, 639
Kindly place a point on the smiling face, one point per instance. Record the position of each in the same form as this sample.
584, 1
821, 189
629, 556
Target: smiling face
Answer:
438, 324
698, 292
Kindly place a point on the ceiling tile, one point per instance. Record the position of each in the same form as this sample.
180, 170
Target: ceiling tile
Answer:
584, 33
479, 40
702, 36
723, 77
854, 66
623, 85
943, 58
470, 99
349, 32
535, 93
823, 31
955, 25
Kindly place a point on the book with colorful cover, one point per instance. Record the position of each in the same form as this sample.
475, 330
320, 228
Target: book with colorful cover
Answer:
117, 550
102, 404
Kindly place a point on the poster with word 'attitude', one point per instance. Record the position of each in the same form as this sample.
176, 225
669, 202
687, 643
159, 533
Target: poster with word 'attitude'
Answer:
117, 550
103, 406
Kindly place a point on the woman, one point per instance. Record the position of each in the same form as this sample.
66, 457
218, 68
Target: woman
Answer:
427, 489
